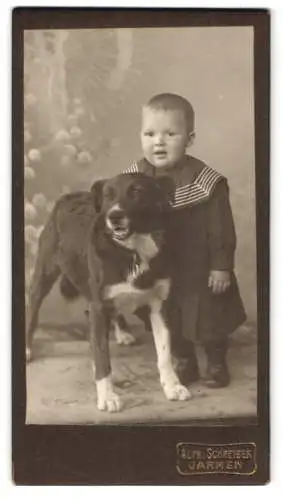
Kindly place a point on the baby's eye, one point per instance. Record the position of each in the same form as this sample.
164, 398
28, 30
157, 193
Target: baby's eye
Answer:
149, 133
171, 134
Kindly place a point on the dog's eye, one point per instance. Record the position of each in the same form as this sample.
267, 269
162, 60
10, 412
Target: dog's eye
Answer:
137, 190
109, 192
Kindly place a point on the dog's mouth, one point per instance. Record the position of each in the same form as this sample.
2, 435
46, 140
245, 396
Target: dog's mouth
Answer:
118, 224
120, 233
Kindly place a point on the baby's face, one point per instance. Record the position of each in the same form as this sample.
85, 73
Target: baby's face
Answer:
164, 137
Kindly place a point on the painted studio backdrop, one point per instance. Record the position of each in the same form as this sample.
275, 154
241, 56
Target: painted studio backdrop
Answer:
83, 92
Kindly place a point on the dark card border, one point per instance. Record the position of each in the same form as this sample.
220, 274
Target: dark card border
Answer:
89, 455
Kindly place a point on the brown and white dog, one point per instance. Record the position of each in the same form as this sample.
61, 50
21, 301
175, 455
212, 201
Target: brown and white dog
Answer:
109, 245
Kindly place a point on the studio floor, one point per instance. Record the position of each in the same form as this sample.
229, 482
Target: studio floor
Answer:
60, 387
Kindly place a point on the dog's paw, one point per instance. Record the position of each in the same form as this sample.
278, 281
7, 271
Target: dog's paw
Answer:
124, 338
112, 403
28, 354
177, 392
107, 399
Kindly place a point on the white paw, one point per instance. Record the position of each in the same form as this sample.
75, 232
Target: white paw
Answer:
111, 403
107, 399
28, 354
125, 338
177, 392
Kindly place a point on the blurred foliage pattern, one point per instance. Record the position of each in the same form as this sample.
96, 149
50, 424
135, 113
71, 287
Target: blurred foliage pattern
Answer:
71, 79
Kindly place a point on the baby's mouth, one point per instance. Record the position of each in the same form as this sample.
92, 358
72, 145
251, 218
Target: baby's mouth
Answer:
160, 153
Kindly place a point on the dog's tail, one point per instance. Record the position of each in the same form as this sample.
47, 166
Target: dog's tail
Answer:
67, 289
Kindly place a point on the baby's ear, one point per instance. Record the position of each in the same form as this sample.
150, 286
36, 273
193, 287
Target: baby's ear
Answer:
191, 139
96, 194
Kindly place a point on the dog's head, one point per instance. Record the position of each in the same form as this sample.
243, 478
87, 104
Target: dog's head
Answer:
131, 203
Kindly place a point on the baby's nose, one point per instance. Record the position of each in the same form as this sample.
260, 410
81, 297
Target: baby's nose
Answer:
159, 139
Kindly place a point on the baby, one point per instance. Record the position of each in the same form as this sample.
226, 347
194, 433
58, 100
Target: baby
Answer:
204, 303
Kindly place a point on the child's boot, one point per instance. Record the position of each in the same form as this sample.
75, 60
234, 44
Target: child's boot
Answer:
217, 374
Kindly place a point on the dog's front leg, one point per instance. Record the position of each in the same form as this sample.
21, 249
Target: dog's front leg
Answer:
107, 399
170, 383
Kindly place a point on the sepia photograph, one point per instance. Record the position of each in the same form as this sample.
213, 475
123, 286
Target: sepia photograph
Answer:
140, 202
100, 106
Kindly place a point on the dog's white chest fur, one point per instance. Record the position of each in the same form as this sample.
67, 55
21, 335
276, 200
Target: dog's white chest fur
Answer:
145, 247
143, 244
127, 298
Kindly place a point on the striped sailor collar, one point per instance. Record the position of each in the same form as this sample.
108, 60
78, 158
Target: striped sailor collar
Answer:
190, 189
199, 190
144, 166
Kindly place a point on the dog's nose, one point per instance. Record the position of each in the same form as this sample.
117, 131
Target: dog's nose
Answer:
116, 216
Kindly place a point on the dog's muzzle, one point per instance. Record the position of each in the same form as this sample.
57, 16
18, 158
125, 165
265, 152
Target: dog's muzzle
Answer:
118, 223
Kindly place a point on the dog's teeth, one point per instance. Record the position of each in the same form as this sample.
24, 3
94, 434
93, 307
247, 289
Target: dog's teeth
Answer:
135, 272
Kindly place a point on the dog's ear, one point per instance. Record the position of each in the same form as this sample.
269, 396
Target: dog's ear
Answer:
96, 194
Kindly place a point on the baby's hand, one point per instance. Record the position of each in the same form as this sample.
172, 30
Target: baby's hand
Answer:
219, 281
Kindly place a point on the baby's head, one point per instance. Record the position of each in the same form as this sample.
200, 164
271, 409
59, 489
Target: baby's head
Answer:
167, 129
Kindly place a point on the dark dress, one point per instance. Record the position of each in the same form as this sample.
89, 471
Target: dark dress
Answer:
202, 238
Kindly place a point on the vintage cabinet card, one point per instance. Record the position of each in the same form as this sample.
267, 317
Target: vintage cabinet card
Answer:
140, 246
